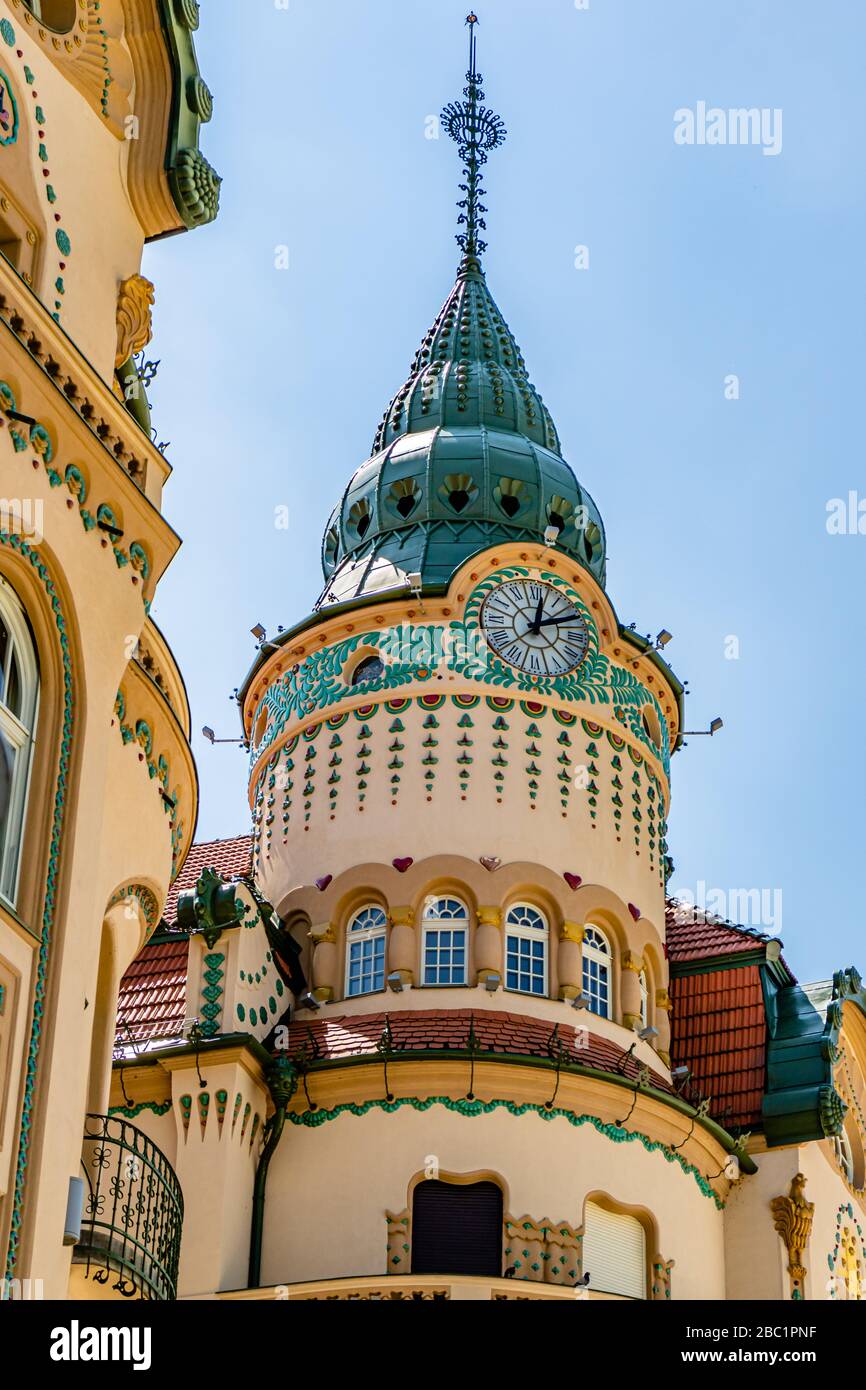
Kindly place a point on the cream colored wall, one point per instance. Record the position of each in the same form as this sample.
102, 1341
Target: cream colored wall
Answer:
755, 1257
330, 1186
216, 1167
755, 1254
87, 164
826, 1187
17, 958
475, 819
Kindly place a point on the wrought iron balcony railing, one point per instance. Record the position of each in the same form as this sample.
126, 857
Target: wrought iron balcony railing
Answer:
133, 1211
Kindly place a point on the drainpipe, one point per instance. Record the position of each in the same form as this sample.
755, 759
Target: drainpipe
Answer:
282, 1079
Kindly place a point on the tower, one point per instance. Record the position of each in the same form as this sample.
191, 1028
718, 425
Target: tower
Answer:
101, 107
460, 780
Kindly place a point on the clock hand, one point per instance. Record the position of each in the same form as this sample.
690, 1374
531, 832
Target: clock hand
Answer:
535, 625
560, 622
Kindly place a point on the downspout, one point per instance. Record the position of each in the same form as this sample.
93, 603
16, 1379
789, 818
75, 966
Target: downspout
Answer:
282, 1079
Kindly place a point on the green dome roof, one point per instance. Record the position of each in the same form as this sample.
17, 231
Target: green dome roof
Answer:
466, 457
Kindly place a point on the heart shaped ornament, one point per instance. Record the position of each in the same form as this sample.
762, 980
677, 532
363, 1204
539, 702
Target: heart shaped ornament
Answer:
490, 862
635, 911
573, 880
322, 883
401, 865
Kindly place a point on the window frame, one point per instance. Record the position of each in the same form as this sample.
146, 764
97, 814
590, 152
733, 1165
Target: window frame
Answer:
522, 932
18, 733
603, 960
843, 1152
643, 986
359, 936
431, 925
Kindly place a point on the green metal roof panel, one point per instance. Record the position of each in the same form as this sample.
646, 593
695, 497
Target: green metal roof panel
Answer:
801, 1101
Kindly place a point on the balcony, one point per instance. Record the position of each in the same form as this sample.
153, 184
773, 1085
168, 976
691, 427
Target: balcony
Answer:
133, 1216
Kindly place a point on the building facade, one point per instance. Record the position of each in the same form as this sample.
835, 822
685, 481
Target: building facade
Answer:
100, 110
433, 1030
451, 1039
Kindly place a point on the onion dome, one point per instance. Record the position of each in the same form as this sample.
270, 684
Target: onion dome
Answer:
466, 455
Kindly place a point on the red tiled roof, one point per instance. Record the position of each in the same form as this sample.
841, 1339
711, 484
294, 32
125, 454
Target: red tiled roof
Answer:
229, 857
153, 990
719, 1032
691, 934
422, 1030
152, 994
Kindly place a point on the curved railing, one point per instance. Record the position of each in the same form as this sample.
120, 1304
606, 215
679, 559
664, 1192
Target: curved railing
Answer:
133, 1211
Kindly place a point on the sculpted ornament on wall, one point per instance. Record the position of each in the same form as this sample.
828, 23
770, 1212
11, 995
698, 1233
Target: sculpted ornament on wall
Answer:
134, 320
793, 1216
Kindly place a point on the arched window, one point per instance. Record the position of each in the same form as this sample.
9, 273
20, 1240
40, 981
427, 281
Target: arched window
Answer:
457, 1228
644, 999
445, 929
596, 971
614, 1252
365, 952
525, 950
19, 695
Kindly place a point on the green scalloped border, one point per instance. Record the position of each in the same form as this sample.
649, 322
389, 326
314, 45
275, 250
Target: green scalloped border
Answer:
311, 1119
131, 1111
17, 543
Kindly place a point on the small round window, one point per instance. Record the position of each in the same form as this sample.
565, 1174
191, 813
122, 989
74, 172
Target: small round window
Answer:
58, 15
651, 726
261, 725
372, 669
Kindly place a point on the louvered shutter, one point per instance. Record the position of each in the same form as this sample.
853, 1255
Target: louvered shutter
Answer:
614, 1252
457, 1229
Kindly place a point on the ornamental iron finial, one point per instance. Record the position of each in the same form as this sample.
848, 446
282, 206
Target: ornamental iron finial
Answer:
476, 130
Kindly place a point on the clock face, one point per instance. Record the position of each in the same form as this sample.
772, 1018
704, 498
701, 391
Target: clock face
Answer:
534, 627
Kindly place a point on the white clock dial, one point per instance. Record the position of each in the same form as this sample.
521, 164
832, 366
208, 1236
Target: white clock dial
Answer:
534, 627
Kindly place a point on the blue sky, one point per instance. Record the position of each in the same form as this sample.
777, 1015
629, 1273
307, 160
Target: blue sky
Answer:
704, 261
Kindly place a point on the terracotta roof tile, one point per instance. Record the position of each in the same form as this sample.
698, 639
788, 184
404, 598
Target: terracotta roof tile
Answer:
332, 1038
152, 994
153, 990
719, 1031
231, 858
692, 934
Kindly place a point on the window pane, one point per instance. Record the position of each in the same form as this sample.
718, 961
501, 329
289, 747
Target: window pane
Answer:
444, 958
595, 986
7, 767
13, 687
366, 966
524, 965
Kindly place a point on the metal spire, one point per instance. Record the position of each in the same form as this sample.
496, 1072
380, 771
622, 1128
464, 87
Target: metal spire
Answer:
476, 130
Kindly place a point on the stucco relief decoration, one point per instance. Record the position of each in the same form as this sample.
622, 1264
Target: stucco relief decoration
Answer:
8, 112
793, 1216
134, 320
414, 654
92, 50
847, 1262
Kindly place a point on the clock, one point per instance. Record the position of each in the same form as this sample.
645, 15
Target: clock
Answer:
535, 627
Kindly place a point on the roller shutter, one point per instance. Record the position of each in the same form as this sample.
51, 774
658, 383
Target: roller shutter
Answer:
614, 1252
457, 1229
